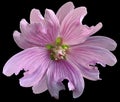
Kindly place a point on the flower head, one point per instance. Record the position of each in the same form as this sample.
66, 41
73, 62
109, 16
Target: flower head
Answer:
57, 47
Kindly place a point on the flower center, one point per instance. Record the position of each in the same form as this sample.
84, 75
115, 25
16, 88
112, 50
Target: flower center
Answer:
57, 50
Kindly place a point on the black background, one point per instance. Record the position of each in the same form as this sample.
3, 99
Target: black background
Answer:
11, 12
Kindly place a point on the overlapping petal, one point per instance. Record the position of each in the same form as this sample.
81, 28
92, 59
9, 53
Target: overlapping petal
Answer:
41, 86
41, 31
30, 33
58, 71
94, 54
31, 79
85, 57
73, 18
29, 59
52, 24
77, 34
94, 29
88, 70
36, 16
21, 42
34, 33
73, 31
101, 41
64, 10
72, 28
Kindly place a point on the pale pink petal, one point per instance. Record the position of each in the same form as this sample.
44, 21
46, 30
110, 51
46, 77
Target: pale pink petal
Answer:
29, 59
31, 79
85, 57
96, 28
76, 35
58, 71
72, 29
88, 70
64, 10
52, 24
79, 33
36, 16
35, 33
101, 41
23, 24
74, 17
40, 87
23, 27
91, 74
20, 41
93, 54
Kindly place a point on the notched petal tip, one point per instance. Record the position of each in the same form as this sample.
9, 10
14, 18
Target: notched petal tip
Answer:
16, 37
23, 23
83, 9
16, 33
48, 12
34, 10
50, 15
99, 25
69, 3
35, 16
96, 28
83, 12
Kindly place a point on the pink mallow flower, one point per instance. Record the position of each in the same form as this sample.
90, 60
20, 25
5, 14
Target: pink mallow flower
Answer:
57, 47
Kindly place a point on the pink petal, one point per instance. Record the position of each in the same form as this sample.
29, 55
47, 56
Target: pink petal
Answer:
89, 72
96, 28
72, 29
64, 10
20, 41
40, 87
94, 54
34, 33
61, 70
74, 17
29, 59
76, 35
31, 79
36, 16
52, 24
101, 41
23, 24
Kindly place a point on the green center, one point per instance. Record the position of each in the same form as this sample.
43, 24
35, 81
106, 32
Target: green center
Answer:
57, 50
